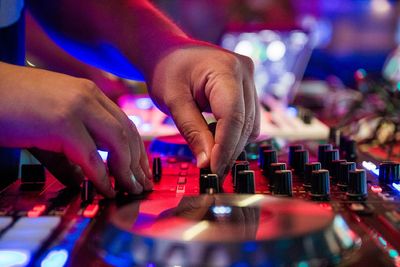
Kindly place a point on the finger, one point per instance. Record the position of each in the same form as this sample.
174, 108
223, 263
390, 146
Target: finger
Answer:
139, 160
57, 164
79, 147
227, 104
111, 136
193, 127
250, 111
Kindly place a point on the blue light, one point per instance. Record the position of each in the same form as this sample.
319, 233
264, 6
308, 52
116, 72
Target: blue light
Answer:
221, 210
12, 258
396, 186
56, 258
371, 167
144, 103
103, 154
292, 111
393, 253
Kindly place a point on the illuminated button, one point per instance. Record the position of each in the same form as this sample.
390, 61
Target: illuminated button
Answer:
49, 222
182, 180
357, 207
180, 189
376, 189
184, 166
5, 222
14, 257
183, 173
91, 210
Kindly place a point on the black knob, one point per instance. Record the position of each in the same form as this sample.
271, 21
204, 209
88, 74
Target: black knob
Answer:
320, 185
32, 174
308, 169
343, 175
389, 172
275, 167
283, 183
292, 149
245, 182
334, 136
300, 159
357, 189
349, 149
157, 169
329, 156
261, 149
269, 157
335, 168
237, 167
209, 184
321, 150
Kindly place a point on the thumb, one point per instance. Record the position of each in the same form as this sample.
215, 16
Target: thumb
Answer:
194, 129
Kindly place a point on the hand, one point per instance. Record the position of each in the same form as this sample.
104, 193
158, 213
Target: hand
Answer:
199, 78
62, 114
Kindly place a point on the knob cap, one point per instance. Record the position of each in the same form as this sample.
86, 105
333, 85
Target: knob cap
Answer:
389, 172
275, 167
157, 169
308, 169
349, 149
209, 184
237, 167
321, 150
334, 169
300, 158
269, 157
357, 189
320, 185
283, 183
343, 175
292, 149
245, 182
261, 149
329, 156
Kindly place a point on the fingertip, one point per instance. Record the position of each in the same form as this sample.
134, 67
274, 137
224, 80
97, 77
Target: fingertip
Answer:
202, 160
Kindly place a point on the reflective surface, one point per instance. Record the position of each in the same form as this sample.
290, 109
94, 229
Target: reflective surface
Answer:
225, 230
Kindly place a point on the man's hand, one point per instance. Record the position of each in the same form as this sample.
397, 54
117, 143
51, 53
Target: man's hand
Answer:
199, 78
59, 113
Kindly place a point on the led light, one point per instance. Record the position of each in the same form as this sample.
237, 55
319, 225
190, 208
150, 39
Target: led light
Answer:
56, 258
144, 103
276, 50
91, 210
103, 154
14, 258
396, 186
376, 189
222, 210
371, 167
244, 48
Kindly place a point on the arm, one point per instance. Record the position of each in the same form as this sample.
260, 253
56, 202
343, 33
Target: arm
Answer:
185, 76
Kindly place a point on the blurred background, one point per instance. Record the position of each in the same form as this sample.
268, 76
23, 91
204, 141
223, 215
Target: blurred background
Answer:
336, 59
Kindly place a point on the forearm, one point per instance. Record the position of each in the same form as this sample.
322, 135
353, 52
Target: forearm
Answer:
135, 28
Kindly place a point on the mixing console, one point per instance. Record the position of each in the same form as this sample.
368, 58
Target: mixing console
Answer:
304, 204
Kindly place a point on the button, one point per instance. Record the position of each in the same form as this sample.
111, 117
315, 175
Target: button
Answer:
91, 210
183, 173
181, 180
157, 169
236, 168
376, 189
184, 166
5, 222
50, 222
209, 183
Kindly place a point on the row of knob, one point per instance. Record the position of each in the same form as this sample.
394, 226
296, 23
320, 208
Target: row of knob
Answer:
316, 176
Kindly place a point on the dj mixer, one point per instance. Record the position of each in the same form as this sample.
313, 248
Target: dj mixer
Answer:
304, 204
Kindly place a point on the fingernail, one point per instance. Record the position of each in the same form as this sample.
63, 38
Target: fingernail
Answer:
221, 170
137, 187
201, 159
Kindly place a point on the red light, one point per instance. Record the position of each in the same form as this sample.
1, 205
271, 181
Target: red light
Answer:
40, 208
325, 206
34, 213
91, 210
376, 189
